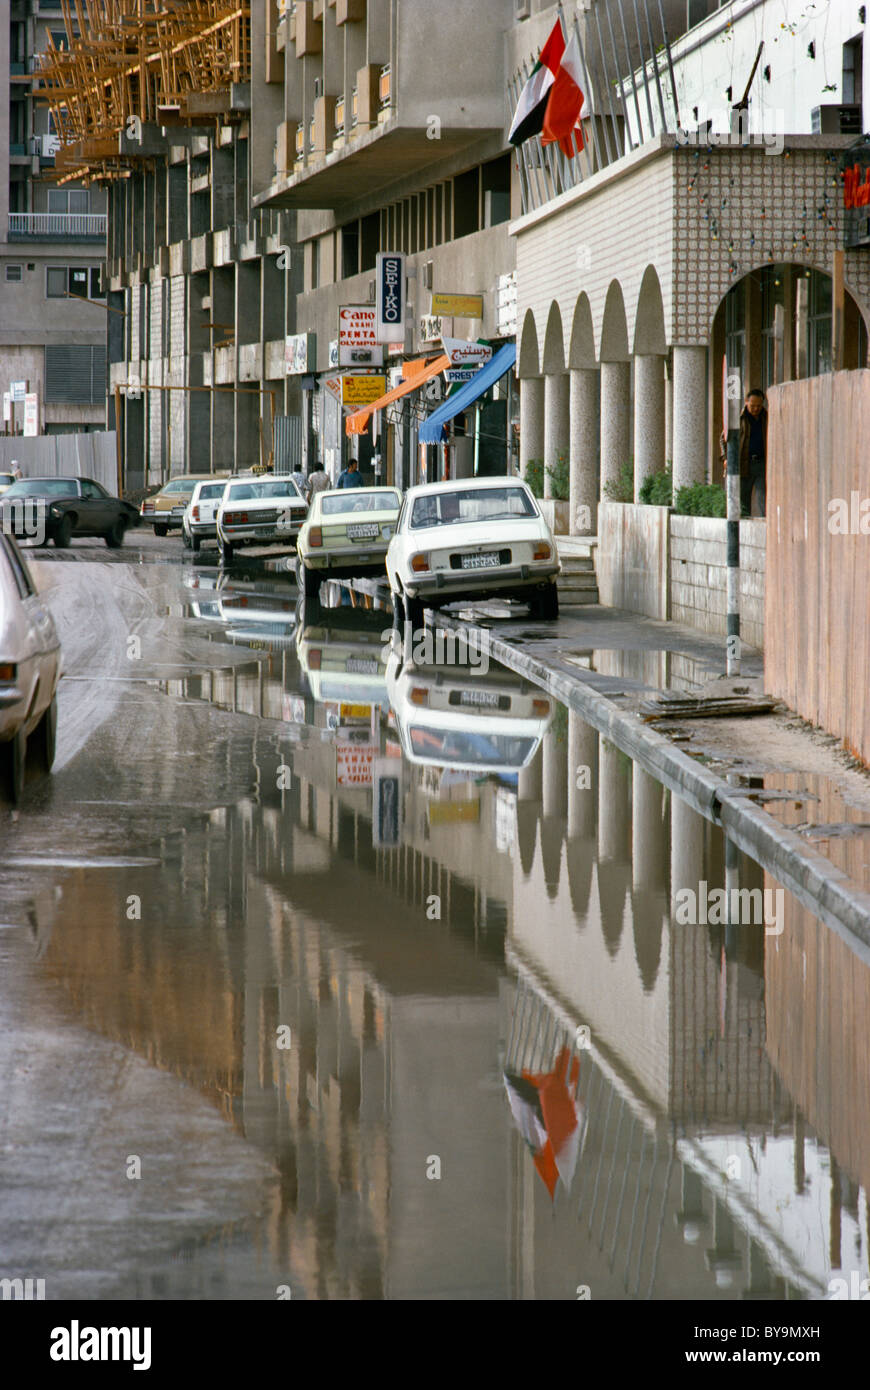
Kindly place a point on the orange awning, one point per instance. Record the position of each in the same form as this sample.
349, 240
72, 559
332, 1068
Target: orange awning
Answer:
358, 422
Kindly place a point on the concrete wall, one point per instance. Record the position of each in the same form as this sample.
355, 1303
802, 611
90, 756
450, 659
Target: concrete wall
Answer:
62, 455
665, 566
817, 655
698, 575
632, 560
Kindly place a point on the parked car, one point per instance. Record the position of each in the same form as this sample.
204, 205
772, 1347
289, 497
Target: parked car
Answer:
346, 534
471, 540
6, 481
167, 507
452, 718
199, 522
56, 509
259, 511
30, 663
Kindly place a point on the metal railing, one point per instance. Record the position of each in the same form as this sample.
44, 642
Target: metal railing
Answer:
57, 224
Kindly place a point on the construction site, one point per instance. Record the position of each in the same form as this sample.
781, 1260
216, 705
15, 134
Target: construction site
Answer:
153, 102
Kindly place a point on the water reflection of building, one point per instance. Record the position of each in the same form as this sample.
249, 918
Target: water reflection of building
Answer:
690, 1114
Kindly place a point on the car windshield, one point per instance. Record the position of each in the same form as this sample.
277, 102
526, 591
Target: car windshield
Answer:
469, 505
359, 502
256, 492
470, 749
42, 487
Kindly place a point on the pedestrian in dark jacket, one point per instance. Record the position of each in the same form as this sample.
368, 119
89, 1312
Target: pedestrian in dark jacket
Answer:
753, 454
351, 476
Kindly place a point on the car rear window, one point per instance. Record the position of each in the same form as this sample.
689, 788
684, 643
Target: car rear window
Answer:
257, 492
471, 504
211, 490
180, 486
353, 501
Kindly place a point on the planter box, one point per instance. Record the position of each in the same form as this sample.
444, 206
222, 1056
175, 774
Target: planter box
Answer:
556, 514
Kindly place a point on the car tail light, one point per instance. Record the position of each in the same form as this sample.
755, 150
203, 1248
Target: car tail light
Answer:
315, 537
147, 507
419, 562
314, 659
541, 708
195, 514
8, 671
419, 695
542, 552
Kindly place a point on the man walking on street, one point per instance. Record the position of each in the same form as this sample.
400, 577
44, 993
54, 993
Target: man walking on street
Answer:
350, 477
753, 454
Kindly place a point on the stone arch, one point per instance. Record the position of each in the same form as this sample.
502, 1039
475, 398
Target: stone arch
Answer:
554, 341
650, 336
799, 262
529, 360
581, 352
614, 326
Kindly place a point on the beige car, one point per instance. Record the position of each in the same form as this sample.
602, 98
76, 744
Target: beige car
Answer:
166, 509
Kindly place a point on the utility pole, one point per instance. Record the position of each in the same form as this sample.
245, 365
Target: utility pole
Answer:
731, 396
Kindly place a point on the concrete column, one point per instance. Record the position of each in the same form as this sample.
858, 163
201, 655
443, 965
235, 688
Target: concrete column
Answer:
582, 777
531, 420
530, 781
687, 848
615, 419
585, 407
690, 415
649, 418
669, 413
648, 841
557, 428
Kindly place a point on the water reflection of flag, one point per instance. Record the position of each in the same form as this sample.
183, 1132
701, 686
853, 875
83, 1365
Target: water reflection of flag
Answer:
548, 1117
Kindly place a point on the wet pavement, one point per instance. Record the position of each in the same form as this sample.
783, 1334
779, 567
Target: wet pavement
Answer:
325, 972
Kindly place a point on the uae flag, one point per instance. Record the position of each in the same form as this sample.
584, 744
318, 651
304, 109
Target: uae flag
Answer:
562, 116
532, 105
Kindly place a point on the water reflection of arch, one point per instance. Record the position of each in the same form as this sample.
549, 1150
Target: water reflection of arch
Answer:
552, 837
580, 857
648, 911
614, 882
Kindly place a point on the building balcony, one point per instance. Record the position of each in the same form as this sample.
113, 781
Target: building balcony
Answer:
56, 226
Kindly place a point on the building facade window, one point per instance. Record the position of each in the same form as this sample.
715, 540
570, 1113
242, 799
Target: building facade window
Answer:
75, 374
14, 272
82, 280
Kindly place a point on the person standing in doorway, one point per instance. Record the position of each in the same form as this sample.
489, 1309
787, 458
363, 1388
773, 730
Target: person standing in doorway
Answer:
753, 454
350, 477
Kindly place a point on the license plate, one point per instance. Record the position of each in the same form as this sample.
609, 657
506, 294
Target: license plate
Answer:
480, 699
178, 511
363, 533
489, 560
355, 667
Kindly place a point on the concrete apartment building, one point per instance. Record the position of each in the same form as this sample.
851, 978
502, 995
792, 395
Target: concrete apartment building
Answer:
52, 244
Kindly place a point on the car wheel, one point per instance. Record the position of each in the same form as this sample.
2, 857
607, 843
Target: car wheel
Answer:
12, 758
43, 740
545, 605
415, 612
115, 534
161, 530
195, 543
226, 550
63, 534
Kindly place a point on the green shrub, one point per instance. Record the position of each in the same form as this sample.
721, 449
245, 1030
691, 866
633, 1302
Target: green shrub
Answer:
534, 476
621, 489
701, 499
656, 490
560, 477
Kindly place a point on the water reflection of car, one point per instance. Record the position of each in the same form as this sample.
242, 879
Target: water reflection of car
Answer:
467, 541
450, 717
251, 611
29, 672
345, 535
344, 658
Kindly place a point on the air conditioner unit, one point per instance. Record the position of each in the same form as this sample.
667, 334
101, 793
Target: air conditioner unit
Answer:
836, 119
522, 9
318, 87
428, 275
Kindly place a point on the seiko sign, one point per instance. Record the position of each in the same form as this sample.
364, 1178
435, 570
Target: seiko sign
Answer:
390, 296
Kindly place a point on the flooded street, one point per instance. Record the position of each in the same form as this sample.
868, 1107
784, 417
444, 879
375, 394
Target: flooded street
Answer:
327, 972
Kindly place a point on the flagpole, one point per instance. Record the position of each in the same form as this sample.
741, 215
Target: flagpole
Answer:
655, 61
532, 165
547, 167
631, 70
627, 143
606, 71
567, 161
598, 155
520, 153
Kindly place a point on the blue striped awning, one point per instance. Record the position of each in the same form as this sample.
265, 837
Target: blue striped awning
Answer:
486, 376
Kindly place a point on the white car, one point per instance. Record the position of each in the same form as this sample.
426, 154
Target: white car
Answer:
259, 511
200, 515
471, 540
450, 718
29, 672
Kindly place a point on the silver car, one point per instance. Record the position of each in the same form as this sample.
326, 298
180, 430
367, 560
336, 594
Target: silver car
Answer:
29, 672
